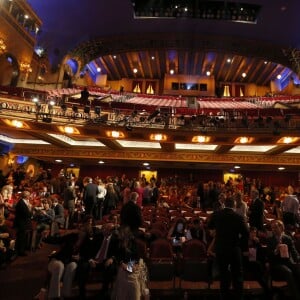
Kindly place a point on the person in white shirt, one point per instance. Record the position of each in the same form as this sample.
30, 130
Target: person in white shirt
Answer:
290, 208
98, 209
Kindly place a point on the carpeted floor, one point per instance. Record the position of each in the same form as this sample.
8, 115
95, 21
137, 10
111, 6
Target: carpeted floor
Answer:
23, 278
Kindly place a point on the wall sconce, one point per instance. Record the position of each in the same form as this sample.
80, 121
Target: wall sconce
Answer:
2, 46
25, 67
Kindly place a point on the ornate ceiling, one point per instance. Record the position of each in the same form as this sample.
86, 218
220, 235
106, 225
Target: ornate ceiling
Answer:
107, 34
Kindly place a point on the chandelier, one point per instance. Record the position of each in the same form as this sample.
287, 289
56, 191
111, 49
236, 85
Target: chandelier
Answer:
25, 67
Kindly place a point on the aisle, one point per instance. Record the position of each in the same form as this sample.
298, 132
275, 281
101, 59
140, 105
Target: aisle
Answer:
23, 278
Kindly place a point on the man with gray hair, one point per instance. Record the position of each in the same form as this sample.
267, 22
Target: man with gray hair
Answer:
131, 214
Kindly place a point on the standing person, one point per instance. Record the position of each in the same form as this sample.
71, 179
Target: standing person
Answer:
131, 214
256, 211
69, 203
241, 206
98, 210
290, 208
111, 199
84, 99
22, 222
230, 241
139, 189
155, 193
90, 192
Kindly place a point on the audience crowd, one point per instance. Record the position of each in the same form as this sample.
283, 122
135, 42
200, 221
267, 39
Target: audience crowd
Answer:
107, 226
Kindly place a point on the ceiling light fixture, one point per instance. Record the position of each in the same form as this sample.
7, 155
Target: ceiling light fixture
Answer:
17, 124
158, 137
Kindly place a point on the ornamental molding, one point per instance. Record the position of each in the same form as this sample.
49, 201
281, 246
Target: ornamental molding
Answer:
181, 156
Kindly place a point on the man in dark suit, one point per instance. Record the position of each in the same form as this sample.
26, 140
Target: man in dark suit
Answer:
100, 255
256, 211
230, 241
22, 222
131, 214
90, 192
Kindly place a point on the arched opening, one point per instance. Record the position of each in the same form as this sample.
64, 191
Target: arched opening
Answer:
9, 70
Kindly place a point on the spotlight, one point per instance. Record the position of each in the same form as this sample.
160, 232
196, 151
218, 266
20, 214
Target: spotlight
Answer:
47, 119
75, 109
87, 109
63, 107
97, 110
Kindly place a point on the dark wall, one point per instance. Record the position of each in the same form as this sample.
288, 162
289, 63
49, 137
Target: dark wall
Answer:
268, 178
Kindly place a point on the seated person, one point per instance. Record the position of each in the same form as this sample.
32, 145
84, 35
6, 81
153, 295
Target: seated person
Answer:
177, 231
282, 257
44, 218
99, 256
7, 251
59, 218
197, 231
62, 264
254, 261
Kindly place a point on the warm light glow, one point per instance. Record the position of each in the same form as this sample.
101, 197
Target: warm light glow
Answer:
200, 139
287, 140
281, 168
101, 162
158, 137
17, 124
135, 70
98, 70
146, 164
244, 75
2, 46
278, 76
115, 134
25, 67
58, 160
171, 71
237, 167
208, 73
244, 140
69, 129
